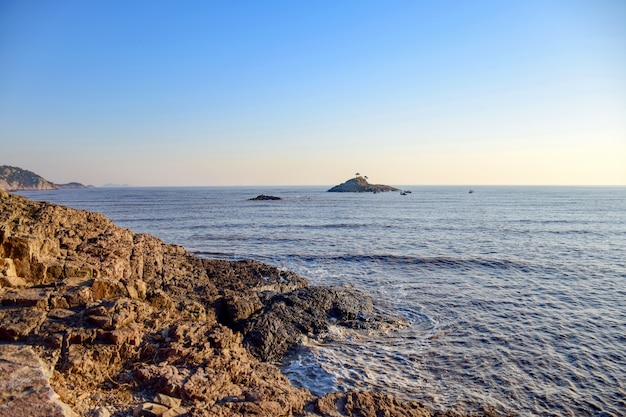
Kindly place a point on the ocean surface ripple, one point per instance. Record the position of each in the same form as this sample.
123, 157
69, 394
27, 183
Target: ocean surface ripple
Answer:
516, 295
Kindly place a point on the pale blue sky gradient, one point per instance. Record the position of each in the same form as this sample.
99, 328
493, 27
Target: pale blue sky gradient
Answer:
296, 92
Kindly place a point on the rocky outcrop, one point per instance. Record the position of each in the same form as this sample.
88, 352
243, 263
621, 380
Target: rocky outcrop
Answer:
263, 197
130, 325
14, 179
360, 185
308, 312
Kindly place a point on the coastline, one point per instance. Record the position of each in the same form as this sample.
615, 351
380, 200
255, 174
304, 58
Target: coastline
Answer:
120, 318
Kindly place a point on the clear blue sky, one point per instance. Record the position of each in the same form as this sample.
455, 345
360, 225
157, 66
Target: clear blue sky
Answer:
309, 92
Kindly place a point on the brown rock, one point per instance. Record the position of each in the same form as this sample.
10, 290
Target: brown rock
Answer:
108, 288
24, 387
176, 412
113, 314
12, 282
8, 275
167, 401
19, 323
241, 306
28, 297
367, 404
149, 410
7, 268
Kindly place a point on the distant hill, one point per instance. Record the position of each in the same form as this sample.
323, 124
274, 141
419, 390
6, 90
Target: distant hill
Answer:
16, 179
360, 185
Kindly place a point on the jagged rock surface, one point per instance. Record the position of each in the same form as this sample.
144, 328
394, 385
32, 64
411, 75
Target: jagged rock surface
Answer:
123, 318
360, 185
308, 312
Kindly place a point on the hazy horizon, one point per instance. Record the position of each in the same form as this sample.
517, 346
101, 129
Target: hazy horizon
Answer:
281, 93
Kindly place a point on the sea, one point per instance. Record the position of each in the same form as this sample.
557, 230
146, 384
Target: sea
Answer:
516, 296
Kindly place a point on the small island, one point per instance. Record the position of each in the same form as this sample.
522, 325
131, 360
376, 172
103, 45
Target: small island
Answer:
359, 184
263, 197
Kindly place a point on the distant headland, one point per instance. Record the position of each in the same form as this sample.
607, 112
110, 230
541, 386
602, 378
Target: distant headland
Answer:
18, 179
359, 184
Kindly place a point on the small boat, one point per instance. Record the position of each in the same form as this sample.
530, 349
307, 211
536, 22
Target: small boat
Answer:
471, 191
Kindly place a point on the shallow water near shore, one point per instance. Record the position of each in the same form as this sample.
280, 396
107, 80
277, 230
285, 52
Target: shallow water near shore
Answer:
516, 295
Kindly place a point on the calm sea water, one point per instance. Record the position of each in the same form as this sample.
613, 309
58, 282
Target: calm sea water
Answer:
516, 295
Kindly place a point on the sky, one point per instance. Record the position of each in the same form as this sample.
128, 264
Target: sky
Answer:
201, 93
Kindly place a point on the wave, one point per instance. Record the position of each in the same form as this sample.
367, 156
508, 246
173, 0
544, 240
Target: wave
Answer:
438, 262
218, 255
336, 226
426, 261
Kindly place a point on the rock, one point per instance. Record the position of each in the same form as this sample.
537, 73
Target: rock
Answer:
149, 410
7, 267
176, 412
121, 317
29, 297
360, 185
167, 401
107, 288
101, 412
12, 281
24, 387
114, 314
367, 404
309, 311
263, 197
245, 277
241, 306
162, 406
16, 324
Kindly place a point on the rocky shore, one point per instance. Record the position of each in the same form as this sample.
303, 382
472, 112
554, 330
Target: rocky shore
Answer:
96, 320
